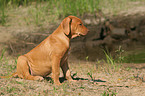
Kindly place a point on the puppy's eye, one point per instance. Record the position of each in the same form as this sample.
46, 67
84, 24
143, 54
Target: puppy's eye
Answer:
80, 24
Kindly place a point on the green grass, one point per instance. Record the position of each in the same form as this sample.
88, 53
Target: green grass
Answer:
111, 65
3, 17
91, 76
82, 87
109, 92
2, 12
71, 7
2, 54
5, 64
43, 12
40, 11
135, 58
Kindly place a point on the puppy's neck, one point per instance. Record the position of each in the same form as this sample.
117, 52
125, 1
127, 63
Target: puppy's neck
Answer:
61, 32
61, 35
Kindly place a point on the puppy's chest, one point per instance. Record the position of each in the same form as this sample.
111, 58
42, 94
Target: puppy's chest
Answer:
65, 57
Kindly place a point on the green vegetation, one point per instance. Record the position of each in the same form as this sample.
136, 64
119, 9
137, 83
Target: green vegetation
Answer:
91, 76
108, 92
42, 8
38, 11
135, 58
119, 55
111, 62
114, 63
2, 12
82, 86
31, 13
2, 54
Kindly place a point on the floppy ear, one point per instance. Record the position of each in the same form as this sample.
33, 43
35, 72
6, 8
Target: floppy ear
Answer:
66, 25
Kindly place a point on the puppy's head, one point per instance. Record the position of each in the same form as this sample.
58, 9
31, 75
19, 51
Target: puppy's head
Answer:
73, 27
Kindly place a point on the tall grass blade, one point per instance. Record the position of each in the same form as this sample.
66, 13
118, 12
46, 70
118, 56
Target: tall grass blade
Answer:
2, 54
2, 11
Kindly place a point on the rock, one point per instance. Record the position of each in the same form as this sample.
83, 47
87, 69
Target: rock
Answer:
118, 33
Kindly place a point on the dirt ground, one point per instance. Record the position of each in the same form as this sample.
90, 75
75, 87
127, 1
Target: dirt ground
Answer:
92, 77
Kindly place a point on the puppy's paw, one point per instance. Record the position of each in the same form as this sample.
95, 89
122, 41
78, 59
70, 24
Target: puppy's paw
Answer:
38, 78
58, 84
71, 80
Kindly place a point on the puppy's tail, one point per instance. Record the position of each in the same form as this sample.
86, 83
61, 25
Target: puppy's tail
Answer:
10, 76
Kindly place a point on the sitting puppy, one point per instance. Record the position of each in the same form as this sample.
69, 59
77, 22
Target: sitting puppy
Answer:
51, 54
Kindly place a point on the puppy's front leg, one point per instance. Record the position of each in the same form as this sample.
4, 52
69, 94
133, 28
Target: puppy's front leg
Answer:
66, 71
56, 70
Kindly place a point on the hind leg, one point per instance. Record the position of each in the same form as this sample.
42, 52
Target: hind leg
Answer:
23, 69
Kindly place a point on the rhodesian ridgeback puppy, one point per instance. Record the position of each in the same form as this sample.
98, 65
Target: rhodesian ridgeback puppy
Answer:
51, 54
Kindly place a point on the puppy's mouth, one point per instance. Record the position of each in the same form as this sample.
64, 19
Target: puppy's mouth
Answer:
81, 34
78, 35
